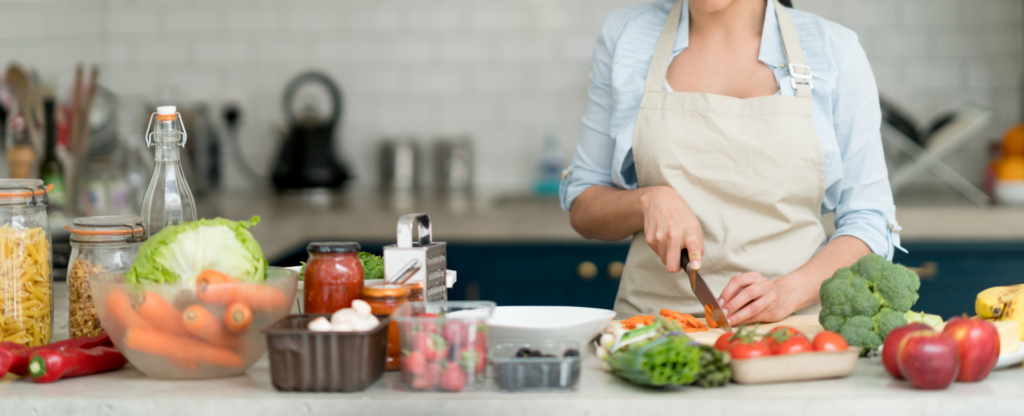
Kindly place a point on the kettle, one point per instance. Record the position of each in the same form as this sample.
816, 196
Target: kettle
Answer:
306, 158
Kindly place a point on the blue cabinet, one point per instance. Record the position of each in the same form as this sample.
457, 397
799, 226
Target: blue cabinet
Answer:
549, 273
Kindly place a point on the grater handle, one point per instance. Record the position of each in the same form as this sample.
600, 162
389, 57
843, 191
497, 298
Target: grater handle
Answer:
405, 224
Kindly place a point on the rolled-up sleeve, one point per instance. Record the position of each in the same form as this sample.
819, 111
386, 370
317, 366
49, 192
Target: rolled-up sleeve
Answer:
865, 209
592, 163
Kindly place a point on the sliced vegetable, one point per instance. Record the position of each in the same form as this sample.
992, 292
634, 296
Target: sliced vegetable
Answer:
178, 253
180, 349
47, 366
707, 317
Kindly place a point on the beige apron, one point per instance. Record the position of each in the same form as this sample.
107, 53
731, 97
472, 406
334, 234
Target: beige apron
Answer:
751, 170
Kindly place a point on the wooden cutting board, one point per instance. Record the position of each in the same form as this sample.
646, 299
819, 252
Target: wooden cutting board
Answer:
808, 324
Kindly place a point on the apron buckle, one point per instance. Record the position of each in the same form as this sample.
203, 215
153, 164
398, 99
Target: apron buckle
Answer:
804, 76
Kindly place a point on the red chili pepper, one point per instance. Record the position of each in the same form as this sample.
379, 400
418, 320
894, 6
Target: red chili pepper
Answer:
14, 357
48, 366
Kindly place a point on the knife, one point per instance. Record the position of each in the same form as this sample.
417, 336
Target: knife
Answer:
704, 294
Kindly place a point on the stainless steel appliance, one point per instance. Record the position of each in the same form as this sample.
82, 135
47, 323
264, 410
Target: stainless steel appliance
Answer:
307, 160
432, 257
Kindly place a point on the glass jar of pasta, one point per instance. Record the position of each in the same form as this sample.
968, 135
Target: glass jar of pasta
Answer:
98, 245
26, 263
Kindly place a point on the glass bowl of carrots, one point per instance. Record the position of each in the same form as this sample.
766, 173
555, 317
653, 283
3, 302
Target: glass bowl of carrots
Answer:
209, 329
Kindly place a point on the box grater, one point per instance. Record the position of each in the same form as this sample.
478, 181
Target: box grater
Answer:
431, 257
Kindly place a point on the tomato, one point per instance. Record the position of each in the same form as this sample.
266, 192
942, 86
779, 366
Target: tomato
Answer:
793, 345
749, 350
830, 341
780, 335
725, 343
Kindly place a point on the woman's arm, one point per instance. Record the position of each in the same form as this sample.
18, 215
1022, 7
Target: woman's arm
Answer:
753, 298
609, 213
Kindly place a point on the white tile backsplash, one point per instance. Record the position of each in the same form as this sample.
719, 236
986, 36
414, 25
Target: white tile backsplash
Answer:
501, 72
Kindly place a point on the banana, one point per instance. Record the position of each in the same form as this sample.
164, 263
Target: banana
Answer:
1015, 312
992, 302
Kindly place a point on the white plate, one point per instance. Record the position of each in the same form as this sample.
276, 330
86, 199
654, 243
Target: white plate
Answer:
546, 322
1008, 360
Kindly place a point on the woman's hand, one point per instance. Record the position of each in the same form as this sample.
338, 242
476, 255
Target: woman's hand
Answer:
670, 226
751, 297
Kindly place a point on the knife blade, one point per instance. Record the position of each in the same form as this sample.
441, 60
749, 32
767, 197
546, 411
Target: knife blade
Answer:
704, 294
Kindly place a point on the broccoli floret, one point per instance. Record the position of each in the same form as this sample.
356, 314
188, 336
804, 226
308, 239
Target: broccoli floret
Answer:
871, 267
886, 320
831, 322
897, 288
846, 294
859, 330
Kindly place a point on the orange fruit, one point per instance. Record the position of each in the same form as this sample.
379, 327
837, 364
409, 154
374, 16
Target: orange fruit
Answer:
1013, 141
1011, 168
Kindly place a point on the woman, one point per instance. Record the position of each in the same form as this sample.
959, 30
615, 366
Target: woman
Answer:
726, 128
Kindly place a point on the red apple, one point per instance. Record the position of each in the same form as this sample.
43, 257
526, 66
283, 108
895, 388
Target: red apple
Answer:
892, 346
978, 342
928, 359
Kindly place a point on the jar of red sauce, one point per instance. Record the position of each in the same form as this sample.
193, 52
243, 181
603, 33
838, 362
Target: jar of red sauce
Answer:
383, 300
415, 291
333, 277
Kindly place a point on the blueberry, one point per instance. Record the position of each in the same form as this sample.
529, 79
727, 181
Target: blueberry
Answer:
571, 353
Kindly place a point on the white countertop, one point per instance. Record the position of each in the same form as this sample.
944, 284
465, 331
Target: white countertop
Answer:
869, 390
289, 221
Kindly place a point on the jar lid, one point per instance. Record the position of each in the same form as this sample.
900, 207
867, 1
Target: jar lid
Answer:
415, 285
333, 247
22, 190
128, 227
385, 291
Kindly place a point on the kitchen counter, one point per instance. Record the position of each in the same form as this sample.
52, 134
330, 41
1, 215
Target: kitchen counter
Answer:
867, 391
291, 220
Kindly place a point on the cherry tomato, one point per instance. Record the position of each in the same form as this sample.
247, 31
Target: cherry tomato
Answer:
725, 343
750, 350
794, 345
780, 335
830, 341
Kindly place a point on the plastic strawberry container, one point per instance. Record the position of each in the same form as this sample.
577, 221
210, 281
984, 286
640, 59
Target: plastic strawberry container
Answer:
444, 344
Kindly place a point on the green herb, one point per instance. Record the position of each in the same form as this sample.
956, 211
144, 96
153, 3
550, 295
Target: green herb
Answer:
668, 359
373, 266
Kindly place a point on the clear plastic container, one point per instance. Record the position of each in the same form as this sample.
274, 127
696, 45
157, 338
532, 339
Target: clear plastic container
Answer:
26, 263
514, 372
98, 245
444, 344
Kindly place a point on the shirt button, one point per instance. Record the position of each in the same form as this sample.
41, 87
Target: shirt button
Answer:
783, 66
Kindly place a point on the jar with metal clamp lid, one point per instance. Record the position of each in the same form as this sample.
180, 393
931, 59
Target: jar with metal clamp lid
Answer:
98, 245
26, 263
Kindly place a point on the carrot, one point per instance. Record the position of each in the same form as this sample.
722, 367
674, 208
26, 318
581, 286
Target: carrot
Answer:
119, 305
262, 297
707, 317
216, 287
184, 364
161, 314
237, 318
632, 323
205, 326
179, 349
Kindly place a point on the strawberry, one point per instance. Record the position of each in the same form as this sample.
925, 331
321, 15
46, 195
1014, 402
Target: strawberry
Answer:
456, 332
415, 363
453, 379
432, 346
473, 358
426, 324
429, 379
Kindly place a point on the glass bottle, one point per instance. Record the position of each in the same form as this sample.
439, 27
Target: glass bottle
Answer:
168, 200
51, 170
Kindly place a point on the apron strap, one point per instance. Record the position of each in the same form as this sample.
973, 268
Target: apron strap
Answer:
798, 70
800, 73
663, 52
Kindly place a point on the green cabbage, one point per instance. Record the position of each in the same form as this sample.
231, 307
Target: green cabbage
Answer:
180, 252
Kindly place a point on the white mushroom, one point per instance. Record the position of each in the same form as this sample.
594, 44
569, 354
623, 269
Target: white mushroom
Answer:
320, 324
361, 307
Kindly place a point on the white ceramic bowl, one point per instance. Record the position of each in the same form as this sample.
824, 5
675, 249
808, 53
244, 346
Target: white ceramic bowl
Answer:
546, 322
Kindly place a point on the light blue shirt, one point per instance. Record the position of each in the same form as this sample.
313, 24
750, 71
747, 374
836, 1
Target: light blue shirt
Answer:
846, 113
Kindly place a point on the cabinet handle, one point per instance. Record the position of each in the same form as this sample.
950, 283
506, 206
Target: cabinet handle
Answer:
586, 270
927, 271
615, 269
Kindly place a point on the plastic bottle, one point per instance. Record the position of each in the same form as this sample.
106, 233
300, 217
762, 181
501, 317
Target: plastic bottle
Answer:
168, 200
